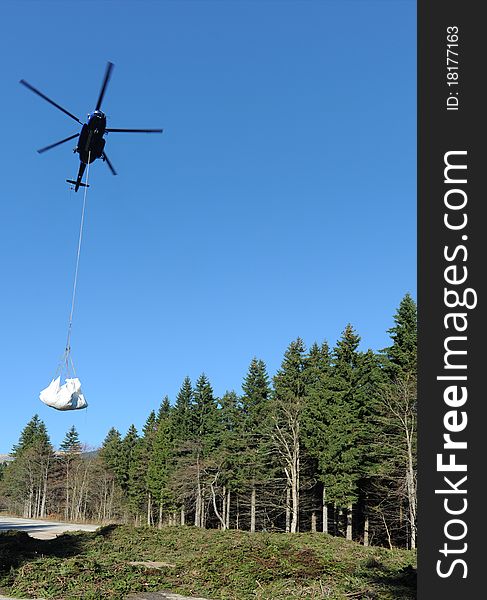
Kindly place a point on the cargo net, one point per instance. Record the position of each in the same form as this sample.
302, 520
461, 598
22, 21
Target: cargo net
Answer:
64, 391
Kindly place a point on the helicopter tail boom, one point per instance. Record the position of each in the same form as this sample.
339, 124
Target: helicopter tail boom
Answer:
77, 184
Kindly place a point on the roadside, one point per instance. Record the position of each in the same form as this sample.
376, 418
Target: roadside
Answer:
48, 530
41, 529
160, 596
146, 563
145, 596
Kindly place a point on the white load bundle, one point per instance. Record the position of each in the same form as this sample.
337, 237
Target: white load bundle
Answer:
64, 397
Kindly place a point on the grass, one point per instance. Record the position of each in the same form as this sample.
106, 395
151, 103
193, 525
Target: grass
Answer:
226, 565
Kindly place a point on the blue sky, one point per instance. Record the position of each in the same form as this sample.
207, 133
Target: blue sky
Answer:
279, 202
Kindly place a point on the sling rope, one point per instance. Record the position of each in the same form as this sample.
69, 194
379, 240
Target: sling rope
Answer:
68, 339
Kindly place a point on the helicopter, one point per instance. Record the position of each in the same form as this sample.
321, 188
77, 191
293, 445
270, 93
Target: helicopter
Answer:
91, 140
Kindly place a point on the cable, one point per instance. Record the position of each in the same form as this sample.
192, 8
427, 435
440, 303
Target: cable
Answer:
68, 339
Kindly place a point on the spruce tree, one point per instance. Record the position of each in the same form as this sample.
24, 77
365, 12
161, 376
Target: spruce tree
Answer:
150, 426
143, 456
225, 459
256, 390
111, 453
71, 443
160, 466
205, 415
136, 487
316, 417
286, 417
34, 431
110, 467
184, 444
127, 455
71, 449
401, 356
28, 474
184, 423
164, 409
252, 471
399, 416
341, 455
207, 435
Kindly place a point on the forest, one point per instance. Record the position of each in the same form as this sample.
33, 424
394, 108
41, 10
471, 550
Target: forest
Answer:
328, 444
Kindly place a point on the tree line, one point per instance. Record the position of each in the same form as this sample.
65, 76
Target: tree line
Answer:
326, 445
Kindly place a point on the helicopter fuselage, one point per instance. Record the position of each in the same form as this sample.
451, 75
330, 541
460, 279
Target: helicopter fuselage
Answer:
91, 142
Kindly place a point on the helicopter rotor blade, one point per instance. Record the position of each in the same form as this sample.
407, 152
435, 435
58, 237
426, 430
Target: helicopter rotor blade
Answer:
36, 91
134, 130
106, 79
71, 137
110, 166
